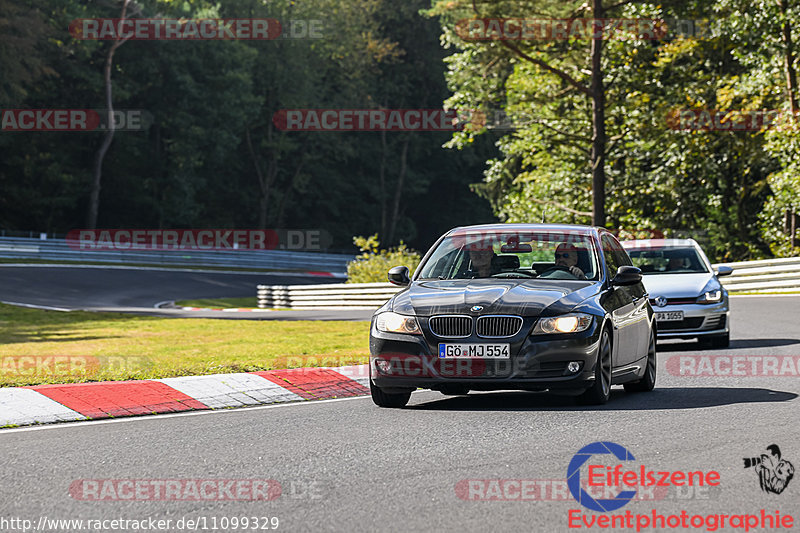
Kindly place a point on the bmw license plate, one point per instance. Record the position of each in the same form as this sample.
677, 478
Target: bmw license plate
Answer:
669, 316
474, 351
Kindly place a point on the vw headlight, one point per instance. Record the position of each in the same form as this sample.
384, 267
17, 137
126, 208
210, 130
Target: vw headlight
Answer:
394, 323
712, 293
572, 323
711, 297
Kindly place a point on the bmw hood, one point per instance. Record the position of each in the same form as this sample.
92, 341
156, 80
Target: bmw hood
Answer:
495, 296
676, 285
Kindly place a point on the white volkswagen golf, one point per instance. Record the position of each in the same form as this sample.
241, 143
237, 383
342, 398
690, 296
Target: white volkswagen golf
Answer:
684, 289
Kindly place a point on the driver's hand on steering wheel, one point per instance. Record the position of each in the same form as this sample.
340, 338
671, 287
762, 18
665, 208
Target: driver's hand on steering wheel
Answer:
577, 272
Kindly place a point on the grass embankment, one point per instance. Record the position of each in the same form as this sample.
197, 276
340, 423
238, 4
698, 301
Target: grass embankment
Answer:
224, 303
57, 347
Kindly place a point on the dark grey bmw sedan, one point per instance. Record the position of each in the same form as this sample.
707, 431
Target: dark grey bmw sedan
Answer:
516, 307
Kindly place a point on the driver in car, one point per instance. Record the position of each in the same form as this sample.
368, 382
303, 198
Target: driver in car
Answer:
481, 260
676, 263
567, 256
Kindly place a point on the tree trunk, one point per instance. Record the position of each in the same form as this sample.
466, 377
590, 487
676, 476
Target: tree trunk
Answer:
288, 193
264, 182
398, 191
791, 73
94, 195
598, 95
382, 182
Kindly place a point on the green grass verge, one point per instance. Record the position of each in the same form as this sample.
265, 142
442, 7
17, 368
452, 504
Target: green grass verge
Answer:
56, 347
224, 303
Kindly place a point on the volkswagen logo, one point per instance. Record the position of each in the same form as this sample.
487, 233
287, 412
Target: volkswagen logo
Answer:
476, 308
660, 301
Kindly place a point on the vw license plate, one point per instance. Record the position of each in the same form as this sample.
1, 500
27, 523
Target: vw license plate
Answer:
669, 316
474, 351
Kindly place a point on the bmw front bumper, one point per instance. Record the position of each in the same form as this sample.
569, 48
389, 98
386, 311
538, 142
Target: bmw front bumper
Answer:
536, 362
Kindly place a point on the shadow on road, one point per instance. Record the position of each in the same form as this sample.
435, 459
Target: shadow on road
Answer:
658, 399
739, 344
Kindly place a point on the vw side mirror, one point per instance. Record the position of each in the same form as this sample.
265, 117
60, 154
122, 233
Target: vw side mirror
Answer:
724, 271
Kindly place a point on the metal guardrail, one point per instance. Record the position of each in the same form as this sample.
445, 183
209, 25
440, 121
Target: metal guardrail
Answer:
773, 275
770, 275
329, 296
60, 250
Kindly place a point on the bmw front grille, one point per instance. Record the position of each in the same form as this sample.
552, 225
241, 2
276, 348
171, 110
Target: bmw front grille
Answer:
498, 326
451, 326
489, 326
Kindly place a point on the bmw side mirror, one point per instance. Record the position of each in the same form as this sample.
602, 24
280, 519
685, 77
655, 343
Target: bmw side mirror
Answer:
399, 276
627, 275
724, 271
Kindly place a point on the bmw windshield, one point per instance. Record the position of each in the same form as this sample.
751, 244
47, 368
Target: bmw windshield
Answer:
509, 254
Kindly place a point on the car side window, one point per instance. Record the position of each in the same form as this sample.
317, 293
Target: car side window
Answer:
612, 258
620, 254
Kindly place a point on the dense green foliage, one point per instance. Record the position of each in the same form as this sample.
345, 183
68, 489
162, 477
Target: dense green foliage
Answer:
729, 188
213, 157
373, 263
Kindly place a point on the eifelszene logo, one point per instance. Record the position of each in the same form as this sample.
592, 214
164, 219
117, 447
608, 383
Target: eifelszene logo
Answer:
574, 477
774, 473
613, 478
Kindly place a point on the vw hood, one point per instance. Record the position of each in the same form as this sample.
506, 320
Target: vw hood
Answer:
676, 285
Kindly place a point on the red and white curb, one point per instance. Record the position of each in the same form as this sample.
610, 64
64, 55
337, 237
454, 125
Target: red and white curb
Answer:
45, 404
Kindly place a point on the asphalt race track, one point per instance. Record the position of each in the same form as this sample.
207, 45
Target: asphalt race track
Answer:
346, 465
139, 290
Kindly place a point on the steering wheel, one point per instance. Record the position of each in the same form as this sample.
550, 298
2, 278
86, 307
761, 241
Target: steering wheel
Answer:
558, 267
514, 274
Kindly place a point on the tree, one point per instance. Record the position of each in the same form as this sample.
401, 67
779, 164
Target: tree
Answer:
97, 171
567, 71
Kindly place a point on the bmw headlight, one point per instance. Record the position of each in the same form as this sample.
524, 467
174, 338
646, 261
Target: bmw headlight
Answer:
394, 323
571, 323
712, 294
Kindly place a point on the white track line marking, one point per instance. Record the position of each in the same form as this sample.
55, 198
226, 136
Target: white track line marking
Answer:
765, 295
174, 415
34, 306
